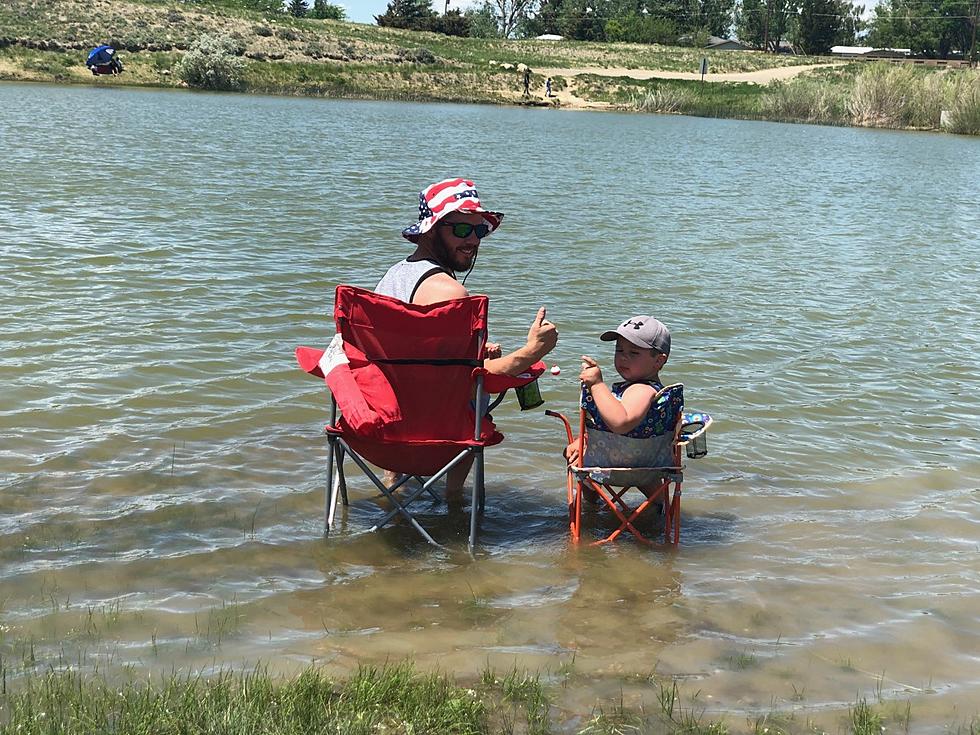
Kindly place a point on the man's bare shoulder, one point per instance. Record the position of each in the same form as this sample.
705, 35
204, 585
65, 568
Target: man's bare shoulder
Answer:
439, 287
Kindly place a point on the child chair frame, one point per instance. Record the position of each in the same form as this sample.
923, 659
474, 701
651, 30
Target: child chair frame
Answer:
390, 362
663, 482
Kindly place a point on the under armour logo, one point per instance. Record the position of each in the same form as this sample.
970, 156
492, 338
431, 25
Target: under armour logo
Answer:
636, 325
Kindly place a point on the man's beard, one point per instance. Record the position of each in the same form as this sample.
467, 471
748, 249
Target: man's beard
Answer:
444, 256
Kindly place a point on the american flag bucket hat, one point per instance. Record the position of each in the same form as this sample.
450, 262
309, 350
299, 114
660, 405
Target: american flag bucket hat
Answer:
450, 195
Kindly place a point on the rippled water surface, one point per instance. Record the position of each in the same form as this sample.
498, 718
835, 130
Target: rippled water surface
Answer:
161, 462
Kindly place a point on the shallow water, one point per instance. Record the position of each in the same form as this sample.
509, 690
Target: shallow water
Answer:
161, 463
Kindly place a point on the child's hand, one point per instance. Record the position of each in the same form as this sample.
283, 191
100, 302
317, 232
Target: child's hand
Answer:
591, 374
570, 453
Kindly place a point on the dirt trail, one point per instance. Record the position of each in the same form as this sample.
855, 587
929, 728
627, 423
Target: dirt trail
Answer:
761, 76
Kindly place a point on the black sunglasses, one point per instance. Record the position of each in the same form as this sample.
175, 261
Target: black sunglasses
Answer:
462, 230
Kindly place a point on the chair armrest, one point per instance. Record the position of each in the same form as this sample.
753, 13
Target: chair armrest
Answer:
494, 383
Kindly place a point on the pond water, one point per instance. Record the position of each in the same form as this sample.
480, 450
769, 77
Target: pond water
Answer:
161, 457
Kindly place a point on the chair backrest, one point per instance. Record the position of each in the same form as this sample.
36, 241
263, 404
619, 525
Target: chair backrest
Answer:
623, 460
417, 360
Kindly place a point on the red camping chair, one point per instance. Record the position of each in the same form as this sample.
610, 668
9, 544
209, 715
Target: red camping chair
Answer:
610, 465
406, 379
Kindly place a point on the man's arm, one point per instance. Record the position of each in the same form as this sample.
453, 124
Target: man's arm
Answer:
439, 287
541, 337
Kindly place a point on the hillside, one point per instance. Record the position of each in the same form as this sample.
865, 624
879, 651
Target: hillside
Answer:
47, 41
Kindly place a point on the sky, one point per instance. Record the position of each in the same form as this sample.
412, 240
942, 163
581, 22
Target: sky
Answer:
363, 11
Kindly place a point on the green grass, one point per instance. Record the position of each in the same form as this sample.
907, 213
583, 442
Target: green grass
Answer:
391, 699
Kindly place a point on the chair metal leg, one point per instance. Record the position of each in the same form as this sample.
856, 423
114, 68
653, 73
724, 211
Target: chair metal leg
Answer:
341, 477
330, 499
476, 502
574, 506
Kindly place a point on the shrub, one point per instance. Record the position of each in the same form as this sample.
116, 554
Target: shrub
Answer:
665, 99
881, 97
419, 55
212, 63
804, 101
964, 113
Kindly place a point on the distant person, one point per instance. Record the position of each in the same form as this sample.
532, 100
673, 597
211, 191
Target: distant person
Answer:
447, 237
547, 87
527, 82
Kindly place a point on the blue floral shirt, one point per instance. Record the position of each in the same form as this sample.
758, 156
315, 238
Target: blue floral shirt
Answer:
660, 418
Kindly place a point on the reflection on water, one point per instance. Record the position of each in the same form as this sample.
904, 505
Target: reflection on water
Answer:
162, 463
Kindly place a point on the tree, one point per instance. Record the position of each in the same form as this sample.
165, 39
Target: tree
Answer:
641, 28
453, 23
483, 21
820, 25
714, 16
414, 14
764, 23
324, 10
933, 28
297, 8
579, 20
510, 14
544, 20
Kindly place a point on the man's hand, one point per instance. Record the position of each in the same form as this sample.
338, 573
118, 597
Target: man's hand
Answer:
491, 350
542, 336
591, 374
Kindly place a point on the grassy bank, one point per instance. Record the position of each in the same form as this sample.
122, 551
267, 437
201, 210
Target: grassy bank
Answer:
859, 94
390, 699
48, 41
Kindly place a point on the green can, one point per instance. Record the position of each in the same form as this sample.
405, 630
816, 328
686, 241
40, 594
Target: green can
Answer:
529, 395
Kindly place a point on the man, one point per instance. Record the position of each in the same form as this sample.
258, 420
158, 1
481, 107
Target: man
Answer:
452, 223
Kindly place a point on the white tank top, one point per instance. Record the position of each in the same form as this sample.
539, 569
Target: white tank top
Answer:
402, 279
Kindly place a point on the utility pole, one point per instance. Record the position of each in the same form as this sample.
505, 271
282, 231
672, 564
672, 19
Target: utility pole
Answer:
973, 43
765, 40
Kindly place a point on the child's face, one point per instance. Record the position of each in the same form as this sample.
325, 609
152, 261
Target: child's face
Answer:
637, 363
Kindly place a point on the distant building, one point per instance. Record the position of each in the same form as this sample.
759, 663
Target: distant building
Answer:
869, 52
715, 43
549, 37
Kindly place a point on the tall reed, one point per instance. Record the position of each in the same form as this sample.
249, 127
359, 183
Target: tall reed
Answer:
807, 100
665, 99
964, 112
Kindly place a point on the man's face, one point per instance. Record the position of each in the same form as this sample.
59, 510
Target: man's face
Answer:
457, 253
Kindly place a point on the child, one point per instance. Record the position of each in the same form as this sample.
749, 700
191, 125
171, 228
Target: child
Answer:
626, 407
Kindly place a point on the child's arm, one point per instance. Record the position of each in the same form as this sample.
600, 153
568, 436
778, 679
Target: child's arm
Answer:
622, 416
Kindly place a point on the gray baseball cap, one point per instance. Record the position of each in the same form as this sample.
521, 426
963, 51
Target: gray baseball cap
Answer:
643, 331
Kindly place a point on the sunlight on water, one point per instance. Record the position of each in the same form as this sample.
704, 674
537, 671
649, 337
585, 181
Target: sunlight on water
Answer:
161, 456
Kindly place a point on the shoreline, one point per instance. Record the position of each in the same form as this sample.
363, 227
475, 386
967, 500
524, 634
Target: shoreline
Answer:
744, 95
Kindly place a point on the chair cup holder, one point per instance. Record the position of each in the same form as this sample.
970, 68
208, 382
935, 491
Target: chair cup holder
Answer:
696, 440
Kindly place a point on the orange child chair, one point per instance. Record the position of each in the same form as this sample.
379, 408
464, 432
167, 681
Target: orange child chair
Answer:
406, 379
611, 464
